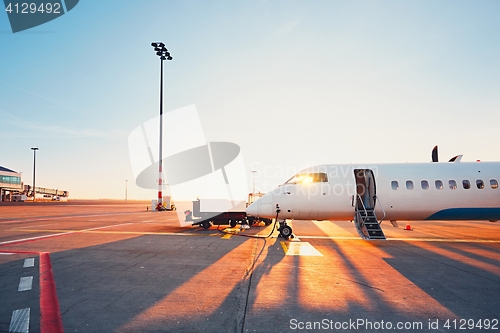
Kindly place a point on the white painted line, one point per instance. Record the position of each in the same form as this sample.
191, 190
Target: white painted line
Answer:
38, 237
35, 226
445, 240
27, 220
109, 226
6, 254
333, 237
29, 262
301, 249
451, 240
61, 234
25, 283
20, 321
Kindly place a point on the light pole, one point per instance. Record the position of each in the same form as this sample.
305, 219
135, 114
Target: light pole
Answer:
34, 165
163, 53
253, 176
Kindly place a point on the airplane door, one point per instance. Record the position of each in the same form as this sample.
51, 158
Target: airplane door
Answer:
365, 189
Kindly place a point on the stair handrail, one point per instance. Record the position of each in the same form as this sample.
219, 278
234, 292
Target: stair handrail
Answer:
364, 208
383, 210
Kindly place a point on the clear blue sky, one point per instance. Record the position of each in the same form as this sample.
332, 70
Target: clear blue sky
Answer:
293, 83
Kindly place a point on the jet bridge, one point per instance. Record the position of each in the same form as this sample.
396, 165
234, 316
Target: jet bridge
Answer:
47, 193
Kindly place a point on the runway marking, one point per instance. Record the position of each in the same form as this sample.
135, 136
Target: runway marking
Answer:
300, 249
229, 232
68, 232
29, 262
446, 240
25, 283
407, 239
20, 321
61, 233
33, 238
27, 220
40, 225
50, 312
109, 226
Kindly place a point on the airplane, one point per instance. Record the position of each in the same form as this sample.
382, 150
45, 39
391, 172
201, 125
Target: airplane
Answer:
369, 194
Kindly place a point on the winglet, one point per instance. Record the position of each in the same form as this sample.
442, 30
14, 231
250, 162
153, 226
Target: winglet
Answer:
456, 159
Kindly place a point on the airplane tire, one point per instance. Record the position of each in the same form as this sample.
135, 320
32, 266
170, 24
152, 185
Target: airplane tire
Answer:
206, 224
286, 232
232, 223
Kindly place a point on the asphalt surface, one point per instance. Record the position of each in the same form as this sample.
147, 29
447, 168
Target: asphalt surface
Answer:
120, 268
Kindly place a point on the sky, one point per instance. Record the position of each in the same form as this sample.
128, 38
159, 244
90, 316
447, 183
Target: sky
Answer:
292, 83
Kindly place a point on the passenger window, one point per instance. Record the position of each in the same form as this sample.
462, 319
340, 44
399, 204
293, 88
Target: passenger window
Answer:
394, 185
494, 184
466, 184
409, 185
439, 184
425, 184
480, 184
453, 184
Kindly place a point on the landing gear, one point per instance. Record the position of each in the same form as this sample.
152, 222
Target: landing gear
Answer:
206, 224
285, 230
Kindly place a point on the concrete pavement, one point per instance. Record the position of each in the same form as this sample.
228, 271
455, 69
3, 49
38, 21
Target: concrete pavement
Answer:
120, 268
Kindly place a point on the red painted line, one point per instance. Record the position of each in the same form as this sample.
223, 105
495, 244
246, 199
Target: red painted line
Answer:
50, 313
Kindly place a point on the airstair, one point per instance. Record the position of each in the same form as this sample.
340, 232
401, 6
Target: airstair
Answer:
367, 224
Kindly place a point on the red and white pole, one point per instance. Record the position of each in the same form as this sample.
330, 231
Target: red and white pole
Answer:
163, 53
160, 161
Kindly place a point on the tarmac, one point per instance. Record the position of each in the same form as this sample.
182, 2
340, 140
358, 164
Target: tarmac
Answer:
114, 266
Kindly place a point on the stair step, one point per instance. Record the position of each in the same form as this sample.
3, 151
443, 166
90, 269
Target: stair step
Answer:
368, 226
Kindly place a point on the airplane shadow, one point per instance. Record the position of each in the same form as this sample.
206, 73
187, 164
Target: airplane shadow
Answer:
169, 283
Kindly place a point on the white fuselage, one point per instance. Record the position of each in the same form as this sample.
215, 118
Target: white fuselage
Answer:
406, 191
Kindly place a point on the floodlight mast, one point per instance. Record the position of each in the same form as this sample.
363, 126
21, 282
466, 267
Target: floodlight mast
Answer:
34, 169
162, 52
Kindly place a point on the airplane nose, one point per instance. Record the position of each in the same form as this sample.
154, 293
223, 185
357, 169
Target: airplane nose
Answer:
262, 207
254, 208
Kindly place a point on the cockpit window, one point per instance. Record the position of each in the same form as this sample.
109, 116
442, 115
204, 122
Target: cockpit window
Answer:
304, 178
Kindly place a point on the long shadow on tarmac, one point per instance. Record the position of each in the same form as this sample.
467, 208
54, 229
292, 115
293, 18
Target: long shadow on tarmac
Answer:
149, 283
354, 282
205, 284
454, 274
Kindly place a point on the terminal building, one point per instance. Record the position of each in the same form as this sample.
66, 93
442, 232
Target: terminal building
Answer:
13, 189
10, 183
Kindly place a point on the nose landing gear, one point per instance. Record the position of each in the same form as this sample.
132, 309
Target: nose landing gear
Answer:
284, 229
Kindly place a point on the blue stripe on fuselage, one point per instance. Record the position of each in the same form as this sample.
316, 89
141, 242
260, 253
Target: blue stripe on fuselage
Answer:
466, 214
